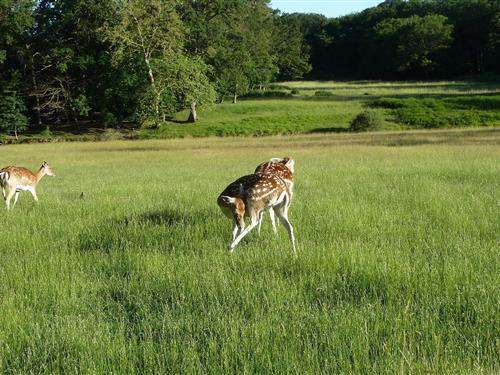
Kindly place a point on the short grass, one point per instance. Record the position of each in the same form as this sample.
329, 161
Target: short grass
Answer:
397, 272
330, 106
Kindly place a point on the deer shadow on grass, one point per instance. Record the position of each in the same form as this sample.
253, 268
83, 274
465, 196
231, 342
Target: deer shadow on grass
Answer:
141, 231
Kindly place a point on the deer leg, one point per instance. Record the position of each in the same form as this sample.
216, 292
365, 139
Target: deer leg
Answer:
252, 225
261, 216
3, 193
239, 225
282, 213
273, 220
16, 196
10, 194
33, 192
236, 229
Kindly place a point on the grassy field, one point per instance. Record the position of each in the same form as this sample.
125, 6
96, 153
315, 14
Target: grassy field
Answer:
330, 106
397, 272
316, 107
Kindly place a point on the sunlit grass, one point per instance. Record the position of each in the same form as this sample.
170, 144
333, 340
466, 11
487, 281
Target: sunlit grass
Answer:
397, 268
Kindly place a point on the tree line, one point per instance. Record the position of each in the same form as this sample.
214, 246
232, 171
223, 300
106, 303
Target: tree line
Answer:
406, 39
110, 61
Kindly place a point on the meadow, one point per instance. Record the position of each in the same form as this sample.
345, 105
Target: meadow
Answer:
309, 107
123, 267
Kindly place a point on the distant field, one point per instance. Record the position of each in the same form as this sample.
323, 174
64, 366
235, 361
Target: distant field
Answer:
387, 88
306, 107
397, 272
330, 106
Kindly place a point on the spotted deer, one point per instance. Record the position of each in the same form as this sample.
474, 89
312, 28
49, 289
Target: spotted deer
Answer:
269, 188
283, 167
16, 179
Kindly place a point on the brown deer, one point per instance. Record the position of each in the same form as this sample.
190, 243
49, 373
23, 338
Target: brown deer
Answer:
269, 188
16, 179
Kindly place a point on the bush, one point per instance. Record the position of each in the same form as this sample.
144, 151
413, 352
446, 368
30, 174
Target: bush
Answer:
295, 92
367, 120
323, 93
267, 94
444, 112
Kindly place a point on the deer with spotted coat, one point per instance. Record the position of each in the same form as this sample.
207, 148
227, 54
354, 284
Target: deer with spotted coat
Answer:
269, 188
16, 179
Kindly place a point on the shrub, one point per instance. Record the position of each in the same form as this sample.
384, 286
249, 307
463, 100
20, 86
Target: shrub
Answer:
367, 120
443, 112
267, 94
295, 92
323, 93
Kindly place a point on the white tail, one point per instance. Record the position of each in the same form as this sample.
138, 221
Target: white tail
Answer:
269, 188
13, 180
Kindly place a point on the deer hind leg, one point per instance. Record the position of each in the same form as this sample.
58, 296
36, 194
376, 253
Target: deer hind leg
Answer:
253, 224
33, 192
273, 220
261, 216
282, 213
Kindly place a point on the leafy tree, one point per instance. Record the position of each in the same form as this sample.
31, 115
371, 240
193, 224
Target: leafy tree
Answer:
234, 37
152, 31
412, 40
12, 109
292, 56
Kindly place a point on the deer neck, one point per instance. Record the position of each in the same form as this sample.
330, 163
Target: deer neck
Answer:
39, 174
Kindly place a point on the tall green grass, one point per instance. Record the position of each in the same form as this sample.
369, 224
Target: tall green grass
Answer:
397, 268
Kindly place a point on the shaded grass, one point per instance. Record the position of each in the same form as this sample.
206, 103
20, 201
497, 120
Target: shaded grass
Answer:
397, 268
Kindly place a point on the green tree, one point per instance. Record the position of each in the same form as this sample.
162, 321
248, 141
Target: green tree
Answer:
414, 39
12, 109
151, 31
292, 54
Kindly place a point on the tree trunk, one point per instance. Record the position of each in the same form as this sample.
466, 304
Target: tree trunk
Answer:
193, 116
235, 96
153, 86
35, 85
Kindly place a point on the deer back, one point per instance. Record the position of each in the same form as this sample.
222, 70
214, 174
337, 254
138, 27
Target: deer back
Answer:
19, 176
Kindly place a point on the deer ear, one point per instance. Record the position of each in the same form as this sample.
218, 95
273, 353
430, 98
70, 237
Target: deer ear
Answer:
227, 200
290, 164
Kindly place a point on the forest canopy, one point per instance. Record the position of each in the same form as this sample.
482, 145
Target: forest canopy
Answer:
109, 61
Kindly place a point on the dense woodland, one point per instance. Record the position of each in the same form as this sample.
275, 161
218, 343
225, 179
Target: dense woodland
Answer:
140, 61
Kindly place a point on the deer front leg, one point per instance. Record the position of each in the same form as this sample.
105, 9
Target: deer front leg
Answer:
3, 194
252, 225
16, 196
236, 229
10, 194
